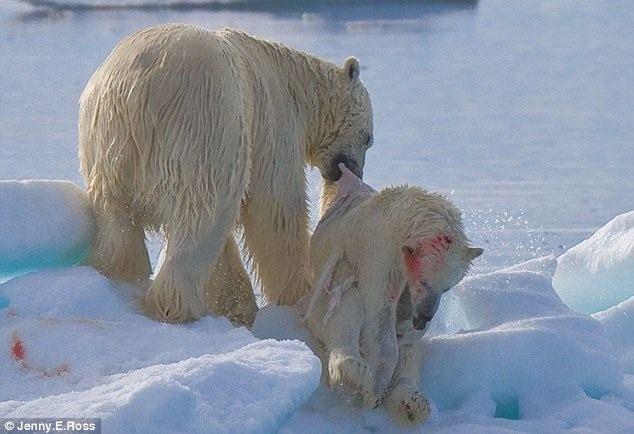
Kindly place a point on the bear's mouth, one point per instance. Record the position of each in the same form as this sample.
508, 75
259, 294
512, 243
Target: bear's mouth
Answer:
424, 311
333, 172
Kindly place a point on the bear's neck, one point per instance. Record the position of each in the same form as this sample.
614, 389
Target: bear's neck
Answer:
312, 86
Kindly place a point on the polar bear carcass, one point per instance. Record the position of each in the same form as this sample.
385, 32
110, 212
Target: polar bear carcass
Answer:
382, 260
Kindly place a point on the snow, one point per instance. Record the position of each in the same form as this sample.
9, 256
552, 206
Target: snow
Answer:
599, 272
502, 353
43, 223
618, 322
74, 345
519, 344
250, 390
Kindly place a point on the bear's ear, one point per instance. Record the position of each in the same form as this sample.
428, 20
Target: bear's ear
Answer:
473, 252
352, 68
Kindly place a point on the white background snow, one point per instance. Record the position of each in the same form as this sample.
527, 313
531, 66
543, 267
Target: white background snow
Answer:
520, 111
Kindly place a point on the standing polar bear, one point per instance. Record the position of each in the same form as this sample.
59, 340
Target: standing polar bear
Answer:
193, 133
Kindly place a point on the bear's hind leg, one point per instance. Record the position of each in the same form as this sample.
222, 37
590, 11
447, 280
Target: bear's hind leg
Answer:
228, 290
178, 291
346, 368
119, 250
404, 402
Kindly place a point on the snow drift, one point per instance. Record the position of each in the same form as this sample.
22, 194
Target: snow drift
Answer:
599, 272
43, 224
75, 346
618, 322
514, 341
507, 336
502, 353
249, 390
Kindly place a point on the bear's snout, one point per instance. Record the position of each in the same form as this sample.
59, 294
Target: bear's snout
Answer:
426, 309
334, 173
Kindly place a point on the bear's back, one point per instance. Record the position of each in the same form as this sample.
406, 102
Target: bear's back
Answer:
173, 48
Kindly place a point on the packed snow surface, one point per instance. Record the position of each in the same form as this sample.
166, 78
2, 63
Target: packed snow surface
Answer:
502, 351
618, 322
43, 224
517, 342
74, 345
599, 272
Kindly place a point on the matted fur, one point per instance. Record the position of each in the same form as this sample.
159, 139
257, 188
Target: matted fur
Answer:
191, 132
360, 252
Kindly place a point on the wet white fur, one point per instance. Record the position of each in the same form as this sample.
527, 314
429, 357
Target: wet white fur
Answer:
193, 133
360, 240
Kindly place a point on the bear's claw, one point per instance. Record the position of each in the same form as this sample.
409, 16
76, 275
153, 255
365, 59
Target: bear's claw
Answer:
354, 377
407, 406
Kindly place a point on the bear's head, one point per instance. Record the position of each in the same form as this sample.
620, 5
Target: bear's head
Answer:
434, 251
346, 130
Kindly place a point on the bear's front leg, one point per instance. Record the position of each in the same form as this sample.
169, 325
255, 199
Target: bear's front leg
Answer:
347, 370
275, 221
404, 402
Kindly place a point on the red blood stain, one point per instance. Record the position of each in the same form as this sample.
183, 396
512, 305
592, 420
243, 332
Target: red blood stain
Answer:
424, 256
17, 349
18, 353
412, 261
